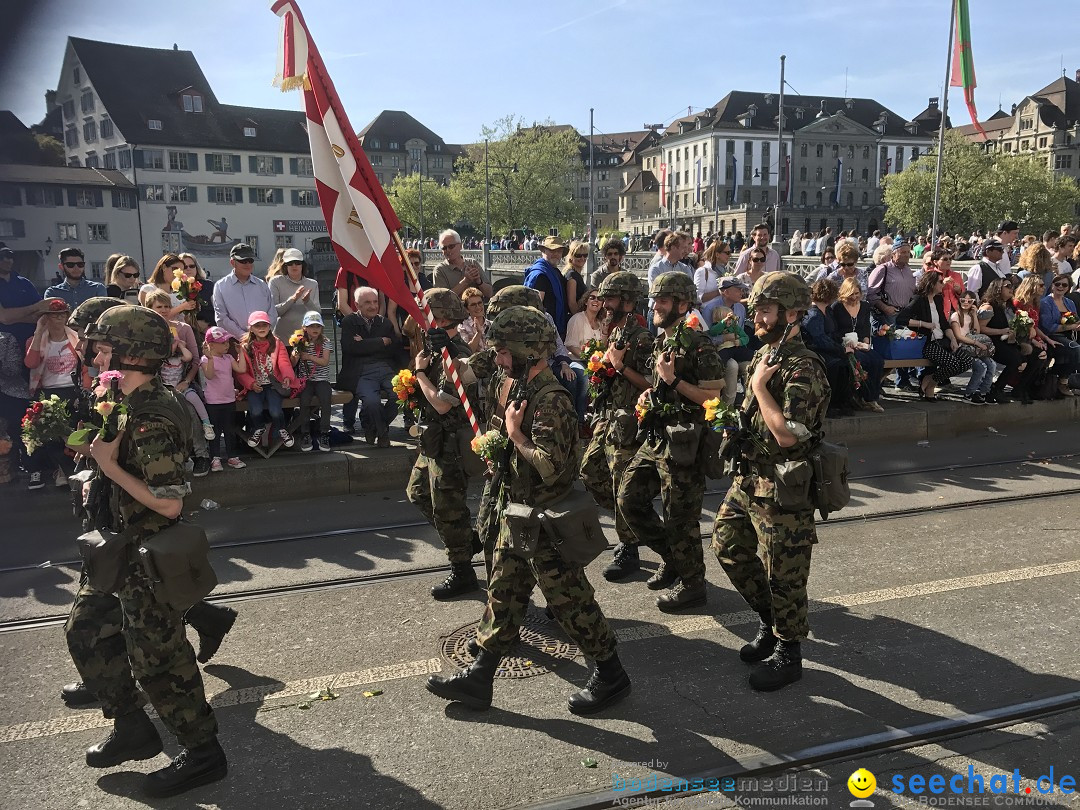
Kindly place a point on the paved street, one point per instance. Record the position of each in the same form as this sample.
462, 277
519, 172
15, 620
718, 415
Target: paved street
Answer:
916, 616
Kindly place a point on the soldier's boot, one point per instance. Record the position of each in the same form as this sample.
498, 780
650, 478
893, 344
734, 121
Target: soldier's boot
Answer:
462, 579
608, 684
133, 736
192, 767
212, 623
77, 695
626, 562
663, 579
784, 666
472, 686
763, 644
682, 597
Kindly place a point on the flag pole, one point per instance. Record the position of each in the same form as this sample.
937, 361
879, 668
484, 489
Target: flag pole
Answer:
941, 128
448, 361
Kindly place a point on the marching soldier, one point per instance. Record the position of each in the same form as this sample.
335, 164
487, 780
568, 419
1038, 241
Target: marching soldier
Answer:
438, 484
686, 372
766, 512
541, 428
615, 435
143, 469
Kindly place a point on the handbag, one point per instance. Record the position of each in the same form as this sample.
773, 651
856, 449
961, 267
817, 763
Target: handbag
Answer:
177, 562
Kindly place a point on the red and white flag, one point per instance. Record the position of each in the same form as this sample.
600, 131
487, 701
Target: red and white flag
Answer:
359, 217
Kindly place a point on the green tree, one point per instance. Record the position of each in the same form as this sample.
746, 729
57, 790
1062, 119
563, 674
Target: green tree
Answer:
978, 190
50, 152
404, 194
531, 171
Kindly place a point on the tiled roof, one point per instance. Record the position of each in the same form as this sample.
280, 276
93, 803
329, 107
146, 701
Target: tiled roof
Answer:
396, 126
63, 175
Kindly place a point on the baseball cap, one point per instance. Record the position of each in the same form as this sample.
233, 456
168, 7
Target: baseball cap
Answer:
215, 334
312, 317
7, 253
730, 281
1008, 225
992, 244
292, 255
242, 250
258, 316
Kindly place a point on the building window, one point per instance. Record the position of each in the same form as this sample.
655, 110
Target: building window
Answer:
1027, 123
865, 198
817, 174
851, 152
179, 161
393, 145
437, 162
866, 175
821, 150
12, 228
217, 162
73, 161
222, 194
84, 198
265, 196
87, 102
106, 128
802, 174
264, 164
67, 232
96, 268
1063, 161
153, 159
849, 175
836, 150
123, 159
764, 197
802, 198
44, 195
866, 153
69, 109
89, 131
1008, 146
376, 160
1042, 142
817, 198
253, 241
378, 176
71, 137
282, 240
395, 161
91, 161
437, 147
97, 233
123, 200
154, 123
192, 103
414, 155
249, 132
180, 194
305, 198
803, 149
76, 75
154, 193
914, 153
304, 167
374, 143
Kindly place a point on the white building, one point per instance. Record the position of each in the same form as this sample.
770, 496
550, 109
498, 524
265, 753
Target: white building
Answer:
208, 175
44, 209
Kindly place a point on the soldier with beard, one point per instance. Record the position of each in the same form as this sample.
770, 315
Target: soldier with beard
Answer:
686, 372
615, 438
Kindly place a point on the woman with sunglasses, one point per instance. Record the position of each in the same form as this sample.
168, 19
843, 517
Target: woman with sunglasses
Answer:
755, 268
204, 314
161, 279
573, 270
707, 277
925, 315
995, 313
827, 266
473, 330
124, 280
585, 326
1054, 312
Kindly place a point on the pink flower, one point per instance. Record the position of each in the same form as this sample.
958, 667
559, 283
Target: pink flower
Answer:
109, 376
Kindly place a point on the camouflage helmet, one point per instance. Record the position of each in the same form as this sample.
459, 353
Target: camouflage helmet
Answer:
515, 295
90, 310
623, 283
678, 285
786, 289
133, 332
524, 331
444, 304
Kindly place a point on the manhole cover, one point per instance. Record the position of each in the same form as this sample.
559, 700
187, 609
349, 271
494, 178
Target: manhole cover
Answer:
540, 649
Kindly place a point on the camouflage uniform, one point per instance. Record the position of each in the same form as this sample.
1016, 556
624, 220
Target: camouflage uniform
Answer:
615, 439
750, 522
677, 538
438, 485
154, 649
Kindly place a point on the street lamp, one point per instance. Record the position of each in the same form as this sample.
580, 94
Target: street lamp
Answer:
487, 204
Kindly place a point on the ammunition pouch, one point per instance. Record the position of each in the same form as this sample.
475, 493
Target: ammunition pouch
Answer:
471, 463
572, 524
792, 480
176, 561
683, 443
105, 559
523, 529
711, 451
623, 429
431, 439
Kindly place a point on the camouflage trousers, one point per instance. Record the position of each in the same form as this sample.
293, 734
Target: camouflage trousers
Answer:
116, 640
748, 523
602, 468
566, 588
676, 538
438, 487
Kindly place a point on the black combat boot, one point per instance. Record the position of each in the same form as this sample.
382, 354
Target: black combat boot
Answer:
784, 666
462, 579
133, 736
682, 597
763, 644
663, 579
472, 686
608, 684
77, 695
212, 623
191, 768
626, 562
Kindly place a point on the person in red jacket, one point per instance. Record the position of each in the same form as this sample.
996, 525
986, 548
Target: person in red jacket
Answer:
268, 380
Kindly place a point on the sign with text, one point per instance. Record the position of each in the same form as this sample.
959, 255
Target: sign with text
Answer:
299, 226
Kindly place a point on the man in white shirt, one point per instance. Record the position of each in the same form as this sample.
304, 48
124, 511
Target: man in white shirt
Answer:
988, 269
762, 237
1007, 233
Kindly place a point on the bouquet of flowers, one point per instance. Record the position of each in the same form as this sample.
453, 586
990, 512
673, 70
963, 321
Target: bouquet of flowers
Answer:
594, 346
108, 407
1069, 318
405, 385
648, 408
694, 322
45, 421
489, 445
857, 371
298, 341
601, 375
887, 330
1022, 326
719, 415
185, 286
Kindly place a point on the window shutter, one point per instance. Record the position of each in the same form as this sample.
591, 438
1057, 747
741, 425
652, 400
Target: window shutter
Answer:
294, 166
253, 164
115, 198
72, 200
251, 195
295, 197
279, 166
208, 162
98, 202
236, 163
193, 161
238, 194
137, 158
192, 194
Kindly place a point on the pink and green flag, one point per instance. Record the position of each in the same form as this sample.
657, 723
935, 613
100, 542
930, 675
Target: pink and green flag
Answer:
963, 66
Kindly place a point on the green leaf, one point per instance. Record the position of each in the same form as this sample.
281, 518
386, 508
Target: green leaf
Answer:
82, 436
589, 762
373, 693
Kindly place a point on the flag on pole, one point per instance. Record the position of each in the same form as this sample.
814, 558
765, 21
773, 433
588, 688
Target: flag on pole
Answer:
839, 180
963, 65
359, 218
734, 180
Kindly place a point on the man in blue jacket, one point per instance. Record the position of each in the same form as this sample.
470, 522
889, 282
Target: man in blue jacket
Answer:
545, 278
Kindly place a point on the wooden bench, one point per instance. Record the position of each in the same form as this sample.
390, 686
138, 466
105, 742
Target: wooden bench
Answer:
271, 444
918, 363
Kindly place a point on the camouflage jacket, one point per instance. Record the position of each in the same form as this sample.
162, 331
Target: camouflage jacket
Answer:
454, 418
802, 391
696, 360
639, 348
554, 432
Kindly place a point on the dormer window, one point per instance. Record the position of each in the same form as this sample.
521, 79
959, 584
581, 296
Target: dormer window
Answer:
394, 145
437, 147
154, 123
849, 103
375, 143
912, 127
881, 123
193, 102
249, 132
799, 113
77, 75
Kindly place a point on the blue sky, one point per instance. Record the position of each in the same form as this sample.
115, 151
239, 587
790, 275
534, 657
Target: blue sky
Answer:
457, 66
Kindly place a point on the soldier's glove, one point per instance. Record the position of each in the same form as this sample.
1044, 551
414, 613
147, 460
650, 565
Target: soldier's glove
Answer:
438, 339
